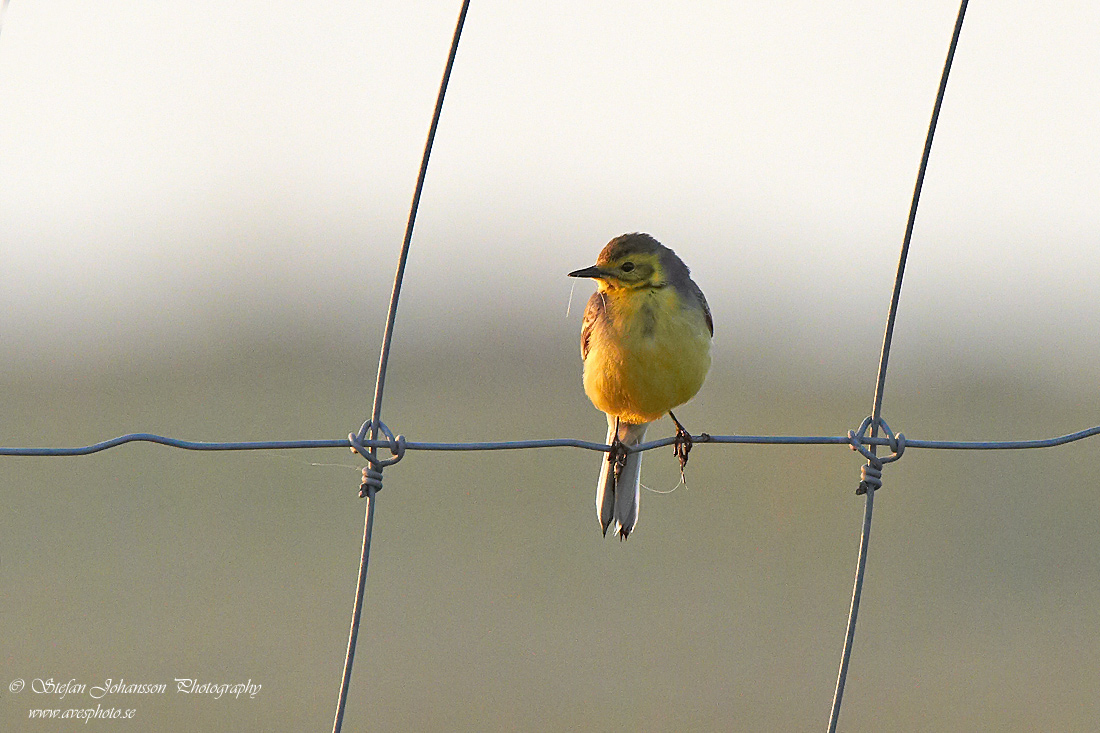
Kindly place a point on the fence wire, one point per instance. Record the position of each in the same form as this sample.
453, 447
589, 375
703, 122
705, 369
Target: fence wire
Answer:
374, 435
372, 475
410, 445
872, 470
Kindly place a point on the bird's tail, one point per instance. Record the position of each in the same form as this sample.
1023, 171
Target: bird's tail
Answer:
617, 497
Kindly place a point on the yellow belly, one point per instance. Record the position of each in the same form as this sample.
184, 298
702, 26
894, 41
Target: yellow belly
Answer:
648, 356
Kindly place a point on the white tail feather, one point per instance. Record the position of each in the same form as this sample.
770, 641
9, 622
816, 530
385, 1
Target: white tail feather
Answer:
617, 500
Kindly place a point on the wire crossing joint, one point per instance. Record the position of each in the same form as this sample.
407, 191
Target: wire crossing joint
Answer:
372, 474
870, 474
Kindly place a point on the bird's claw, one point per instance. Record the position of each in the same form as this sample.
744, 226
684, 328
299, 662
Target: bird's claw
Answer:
682, 446
617, 456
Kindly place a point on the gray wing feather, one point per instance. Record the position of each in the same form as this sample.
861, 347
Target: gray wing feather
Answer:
706, 308
592, 313
690, 291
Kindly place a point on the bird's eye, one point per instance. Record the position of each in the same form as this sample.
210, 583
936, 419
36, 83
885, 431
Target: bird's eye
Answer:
627, 266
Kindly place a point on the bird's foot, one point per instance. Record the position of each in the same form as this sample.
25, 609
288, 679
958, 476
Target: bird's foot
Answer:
617, 456
682, 447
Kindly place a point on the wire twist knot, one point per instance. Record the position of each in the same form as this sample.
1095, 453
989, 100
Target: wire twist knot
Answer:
372, 474
870, 473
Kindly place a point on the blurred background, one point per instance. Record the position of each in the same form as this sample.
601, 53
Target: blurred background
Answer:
200, 212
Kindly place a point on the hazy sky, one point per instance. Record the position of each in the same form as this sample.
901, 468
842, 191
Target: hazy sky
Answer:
165, 167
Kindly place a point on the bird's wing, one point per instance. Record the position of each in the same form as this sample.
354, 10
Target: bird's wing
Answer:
703, 302
592, 313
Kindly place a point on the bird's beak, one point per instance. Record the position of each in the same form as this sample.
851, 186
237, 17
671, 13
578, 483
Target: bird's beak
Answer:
592, 271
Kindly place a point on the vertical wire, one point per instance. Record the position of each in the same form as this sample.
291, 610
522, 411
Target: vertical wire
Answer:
383, 361
399, 276
880, 384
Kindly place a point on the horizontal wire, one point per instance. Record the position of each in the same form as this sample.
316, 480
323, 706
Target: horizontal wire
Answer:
547, 443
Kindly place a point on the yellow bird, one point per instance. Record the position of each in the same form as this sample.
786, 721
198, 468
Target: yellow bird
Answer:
645, 344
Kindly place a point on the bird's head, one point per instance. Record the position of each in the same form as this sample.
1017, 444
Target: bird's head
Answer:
634, 261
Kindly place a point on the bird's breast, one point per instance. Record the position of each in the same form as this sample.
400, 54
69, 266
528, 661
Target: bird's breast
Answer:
649, 353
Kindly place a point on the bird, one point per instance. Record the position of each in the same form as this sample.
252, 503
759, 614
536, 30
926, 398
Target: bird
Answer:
645, 345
